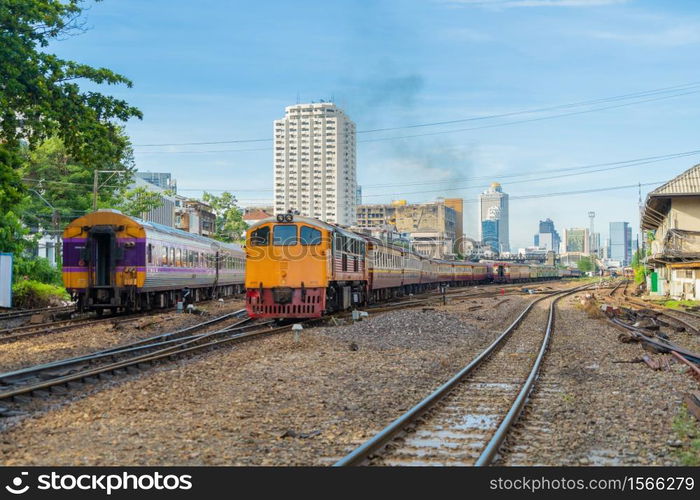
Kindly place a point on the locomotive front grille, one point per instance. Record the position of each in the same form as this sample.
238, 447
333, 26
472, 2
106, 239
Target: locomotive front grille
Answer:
302, 303
284, 309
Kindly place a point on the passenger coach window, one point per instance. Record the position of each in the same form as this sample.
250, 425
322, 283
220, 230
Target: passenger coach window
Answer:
260, 237
310, 236
285, 235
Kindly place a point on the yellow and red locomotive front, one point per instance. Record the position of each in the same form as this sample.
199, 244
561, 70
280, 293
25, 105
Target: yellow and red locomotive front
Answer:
287, 267
299, 267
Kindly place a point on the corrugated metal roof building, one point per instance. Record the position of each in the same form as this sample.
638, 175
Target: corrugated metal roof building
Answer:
672, 212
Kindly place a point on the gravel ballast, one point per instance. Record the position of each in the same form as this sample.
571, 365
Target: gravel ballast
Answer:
274, 401
89, 338
264, 402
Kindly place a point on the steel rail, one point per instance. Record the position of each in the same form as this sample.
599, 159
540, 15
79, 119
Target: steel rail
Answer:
139, 360
364, 451
660, 343
8, 335
499, 436
664, 312
29, 312
612, 292
27, 372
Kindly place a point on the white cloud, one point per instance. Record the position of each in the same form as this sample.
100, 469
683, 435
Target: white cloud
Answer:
506, 4
670, 37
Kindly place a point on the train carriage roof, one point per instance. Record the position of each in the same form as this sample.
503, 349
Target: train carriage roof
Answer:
111, 217
306, 220
160, 228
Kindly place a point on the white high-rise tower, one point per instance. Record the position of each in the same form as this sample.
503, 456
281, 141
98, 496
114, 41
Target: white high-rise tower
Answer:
315, 163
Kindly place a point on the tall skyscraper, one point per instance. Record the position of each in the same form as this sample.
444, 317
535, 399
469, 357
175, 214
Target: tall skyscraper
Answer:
548, 237
315, 163
495, 197
621, 242
490, 229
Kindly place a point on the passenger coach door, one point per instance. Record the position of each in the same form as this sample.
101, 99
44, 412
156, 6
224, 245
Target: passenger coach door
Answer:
104, 256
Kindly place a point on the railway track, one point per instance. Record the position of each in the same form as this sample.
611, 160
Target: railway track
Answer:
22, 332
690, 321
435, 298
464, 421
30, 312
8, 335
21, 386
678, 316
617, 287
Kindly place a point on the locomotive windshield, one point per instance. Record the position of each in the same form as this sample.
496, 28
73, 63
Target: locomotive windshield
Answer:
285, 235
310, 236
260, 237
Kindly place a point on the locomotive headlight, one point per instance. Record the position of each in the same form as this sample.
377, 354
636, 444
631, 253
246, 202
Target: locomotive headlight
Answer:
288, 218
280, 218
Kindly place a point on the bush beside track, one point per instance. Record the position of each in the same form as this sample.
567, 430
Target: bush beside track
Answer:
30, 294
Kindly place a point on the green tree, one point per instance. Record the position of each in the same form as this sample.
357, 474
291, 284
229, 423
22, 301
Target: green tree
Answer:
640, 269
230, 225
586, 264
40, 96
139, 201
60, 186
12, 201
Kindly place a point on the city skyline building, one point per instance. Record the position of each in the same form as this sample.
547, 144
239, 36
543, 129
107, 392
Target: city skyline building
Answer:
494, 197
547, 237
163, 180
315, 166
489, 234
431, 227
577, 239
621, 242
457, 204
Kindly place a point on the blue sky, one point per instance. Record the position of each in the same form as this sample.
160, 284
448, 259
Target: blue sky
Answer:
210, 71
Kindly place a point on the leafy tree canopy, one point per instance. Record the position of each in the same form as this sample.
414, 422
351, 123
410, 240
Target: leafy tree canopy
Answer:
586, 264
11, 202
60, 188
40, 99
139, 201
40, 96
230, 225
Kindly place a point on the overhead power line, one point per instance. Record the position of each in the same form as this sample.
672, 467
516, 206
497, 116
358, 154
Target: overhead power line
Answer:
555, 174
560, 193
674, 91
591, 168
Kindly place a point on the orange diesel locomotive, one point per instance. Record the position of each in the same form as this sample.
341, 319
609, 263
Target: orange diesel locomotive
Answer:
299, 267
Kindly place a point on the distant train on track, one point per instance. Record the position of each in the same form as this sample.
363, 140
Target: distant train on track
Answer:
299, 267
120, 263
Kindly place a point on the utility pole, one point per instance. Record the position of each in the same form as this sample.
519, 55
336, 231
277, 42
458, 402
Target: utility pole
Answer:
56, 222
591, 239
96, 186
